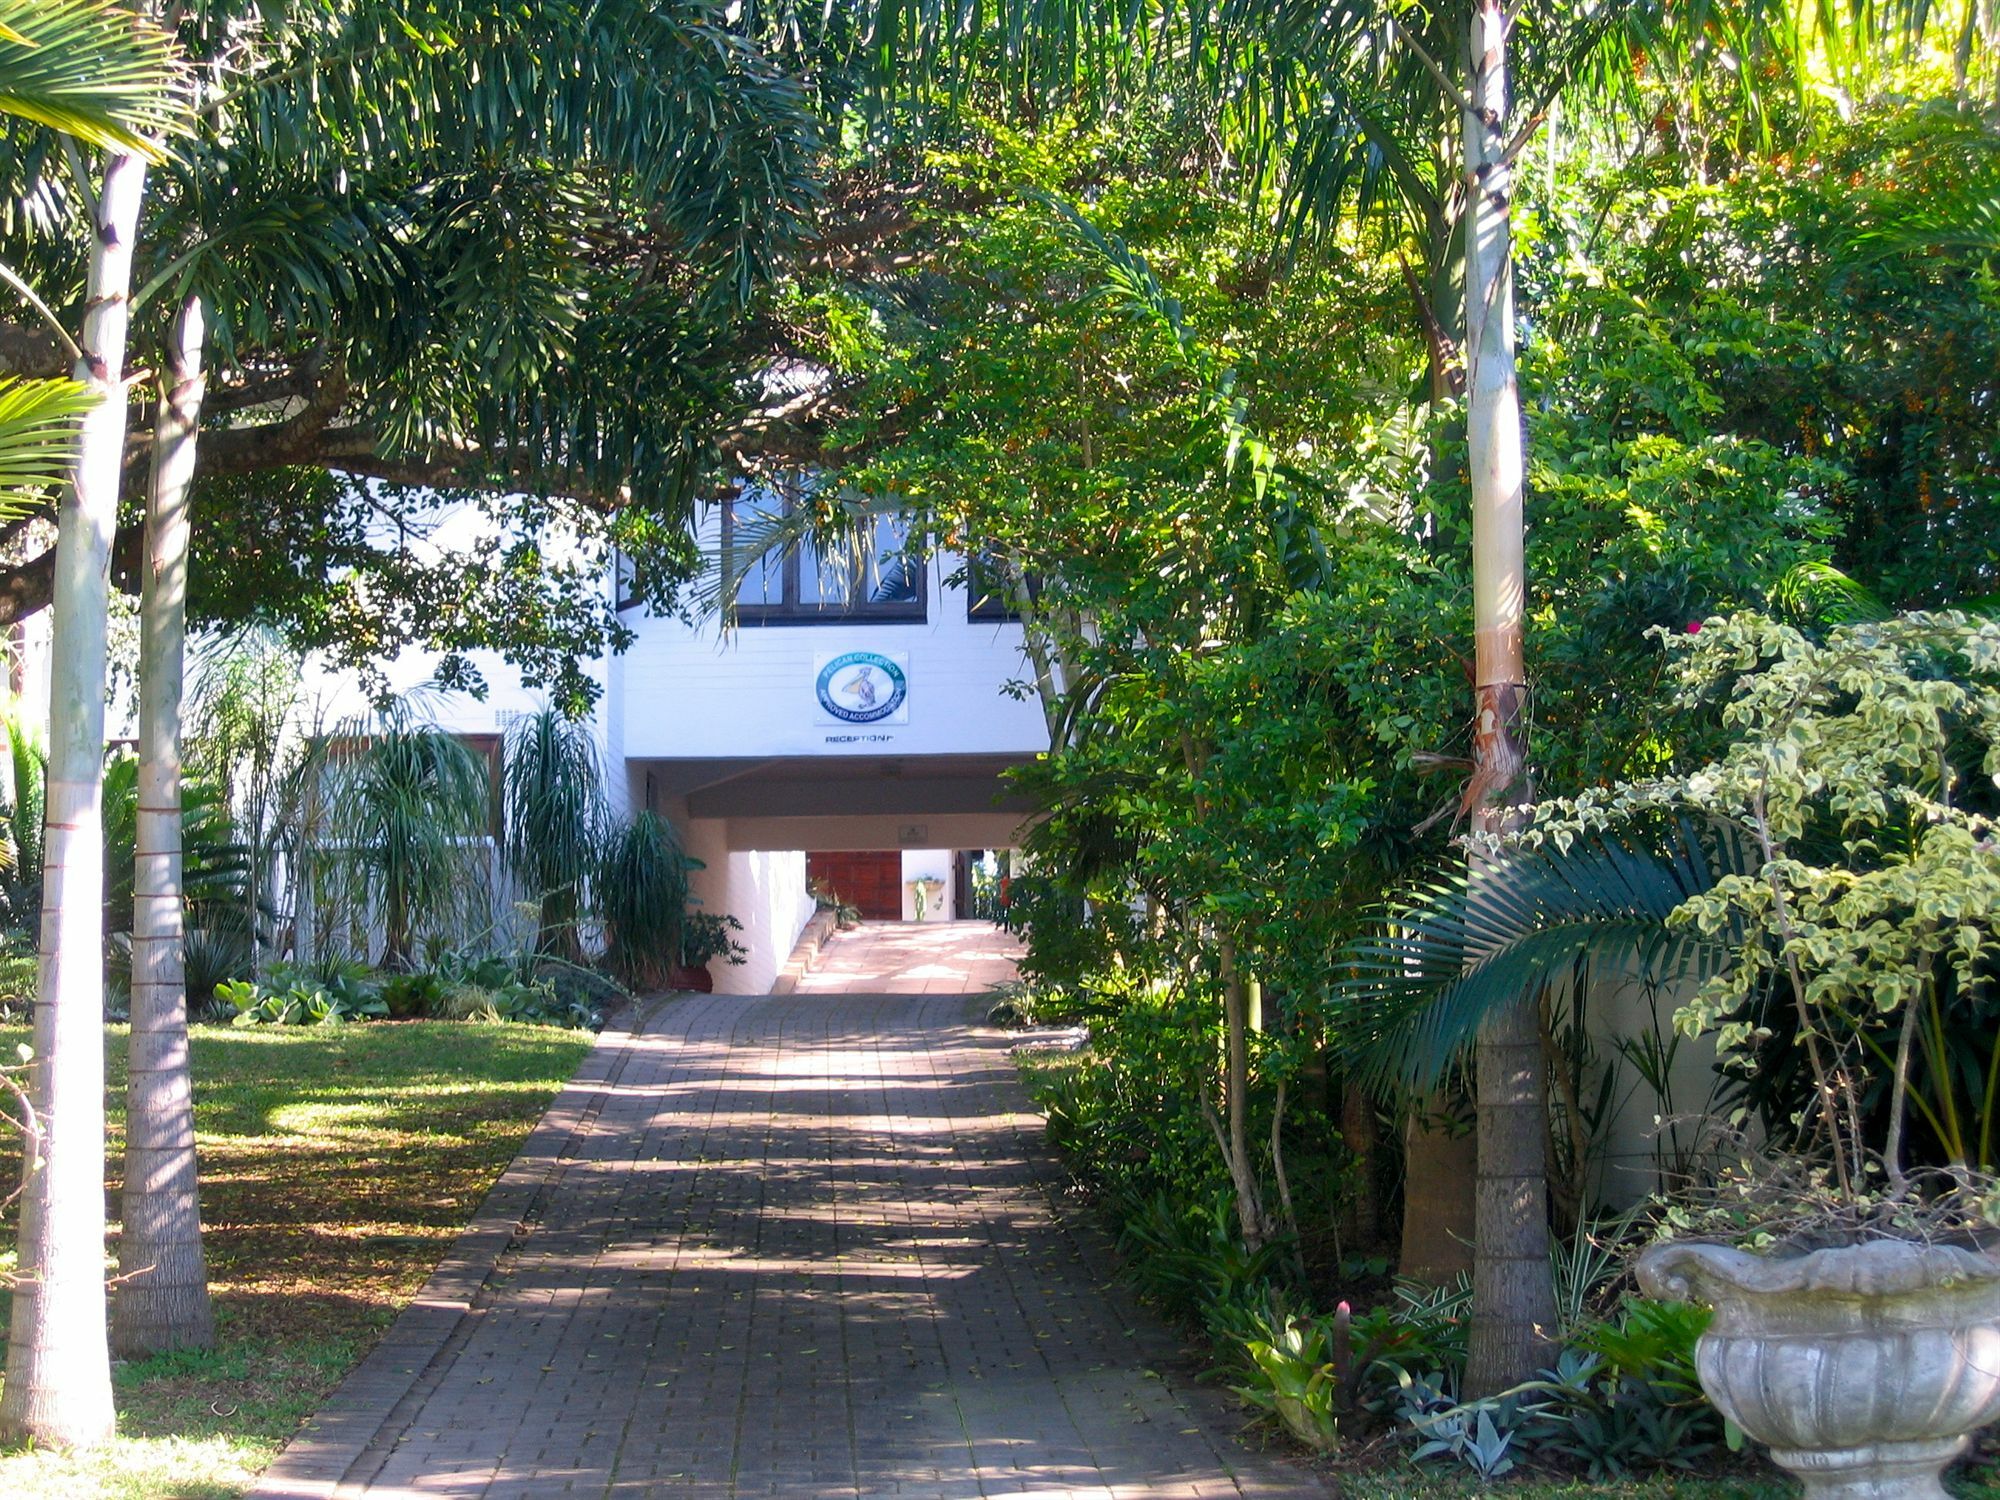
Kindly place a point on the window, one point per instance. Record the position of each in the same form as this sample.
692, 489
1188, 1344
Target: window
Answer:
873, 578
990, 591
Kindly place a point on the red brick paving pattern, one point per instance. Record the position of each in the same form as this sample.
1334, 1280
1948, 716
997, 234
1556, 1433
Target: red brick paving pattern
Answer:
799, 1246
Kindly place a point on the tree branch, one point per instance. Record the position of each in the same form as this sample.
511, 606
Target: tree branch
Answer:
30, 353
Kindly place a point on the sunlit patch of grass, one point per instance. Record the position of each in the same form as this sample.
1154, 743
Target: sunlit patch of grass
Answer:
337, 1167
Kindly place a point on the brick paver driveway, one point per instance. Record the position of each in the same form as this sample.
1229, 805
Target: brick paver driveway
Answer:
800, 1246
913, 958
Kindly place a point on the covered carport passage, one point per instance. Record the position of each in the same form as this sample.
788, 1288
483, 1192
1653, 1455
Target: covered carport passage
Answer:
751, 822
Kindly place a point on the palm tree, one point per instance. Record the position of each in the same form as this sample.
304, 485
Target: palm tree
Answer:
162, 1298
328, 193
643, 899
96, 73
410, 807
555, 822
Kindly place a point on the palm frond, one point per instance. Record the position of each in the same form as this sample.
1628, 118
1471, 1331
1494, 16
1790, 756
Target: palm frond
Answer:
1820, 593
1416, 990
91, 69
645, 896
554, 820
408, 814
38, 427
689, 124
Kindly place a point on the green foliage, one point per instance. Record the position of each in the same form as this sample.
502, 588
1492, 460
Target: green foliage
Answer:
1807, 302
409, 812
458, 987
21, 829
296, 1004
555, 820
1187, 1258
643, 899
1649, 1341
1130, 1124
210, 957
1301, 1384
1621, 1397
705, 937
1862, 769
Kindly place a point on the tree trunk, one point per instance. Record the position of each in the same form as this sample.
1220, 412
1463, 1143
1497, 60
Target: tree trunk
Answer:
1236, 1044
1513, 1301
162, 1297
1361, 1217
1438, 1217
58, 1385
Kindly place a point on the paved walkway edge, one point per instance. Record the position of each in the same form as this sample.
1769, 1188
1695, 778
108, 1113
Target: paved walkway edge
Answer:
321, 1453
805, 952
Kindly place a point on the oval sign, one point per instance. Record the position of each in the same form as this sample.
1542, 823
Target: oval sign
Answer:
861, 687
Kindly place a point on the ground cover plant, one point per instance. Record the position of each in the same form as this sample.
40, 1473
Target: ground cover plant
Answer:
338, 1164
1373, 1388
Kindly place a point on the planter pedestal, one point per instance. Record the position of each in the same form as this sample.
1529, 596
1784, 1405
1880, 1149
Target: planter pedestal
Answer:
1864, 1368
1880, 1471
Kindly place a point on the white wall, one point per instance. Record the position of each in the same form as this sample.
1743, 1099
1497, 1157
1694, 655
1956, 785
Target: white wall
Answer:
765, 890
1625, 1158
688, 694
935, 863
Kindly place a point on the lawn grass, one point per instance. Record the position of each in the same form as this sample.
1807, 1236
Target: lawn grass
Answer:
338, 1164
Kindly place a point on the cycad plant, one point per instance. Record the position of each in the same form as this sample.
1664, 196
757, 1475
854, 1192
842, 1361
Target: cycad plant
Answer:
555, 823
21, 830
408, 814
217, 863
1543, 931
643, 899
1415, 991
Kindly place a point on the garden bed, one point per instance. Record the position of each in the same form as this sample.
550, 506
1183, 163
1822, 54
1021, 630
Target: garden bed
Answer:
1178, 1271
338, 1165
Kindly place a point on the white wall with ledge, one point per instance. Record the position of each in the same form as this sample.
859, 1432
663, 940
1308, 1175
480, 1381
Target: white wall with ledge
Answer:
692, 693
941, 901
765, 890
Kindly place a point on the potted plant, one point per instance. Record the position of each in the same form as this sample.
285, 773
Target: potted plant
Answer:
846, 915
1856, 1326
705, 937
925, 893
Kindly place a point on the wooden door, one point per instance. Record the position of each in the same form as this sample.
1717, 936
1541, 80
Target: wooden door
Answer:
872, 880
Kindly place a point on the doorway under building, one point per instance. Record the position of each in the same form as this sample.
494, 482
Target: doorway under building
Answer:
870, 880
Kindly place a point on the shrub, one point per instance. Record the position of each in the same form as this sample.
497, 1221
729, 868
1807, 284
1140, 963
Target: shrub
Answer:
295, 1005
643, 894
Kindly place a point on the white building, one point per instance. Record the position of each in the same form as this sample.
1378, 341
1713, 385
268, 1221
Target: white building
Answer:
856, 719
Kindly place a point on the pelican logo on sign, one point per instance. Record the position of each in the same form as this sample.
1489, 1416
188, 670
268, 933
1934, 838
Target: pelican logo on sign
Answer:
863, 687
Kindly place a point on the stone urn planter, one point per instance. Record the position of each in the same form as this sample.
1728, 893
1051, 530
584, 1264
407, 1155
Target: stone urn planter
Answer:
1864, 1368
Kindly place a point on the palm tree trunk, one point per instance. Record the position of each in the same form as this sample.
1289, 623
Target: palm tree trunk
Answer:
162, 1297
58, 1385
1513, 1300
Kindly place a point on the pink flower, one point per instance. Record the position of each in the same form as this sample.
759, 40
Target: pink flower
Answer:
1694, 627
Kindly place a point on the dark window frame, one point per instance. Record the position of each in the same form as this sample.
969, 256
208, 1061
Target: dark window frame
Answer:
792, 610
980, 604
